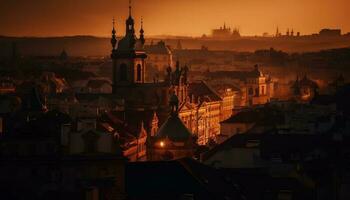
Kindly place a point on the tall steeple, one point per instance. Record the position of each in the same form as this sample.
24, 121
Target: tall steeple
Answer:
128, 58
142, 37
277, 32
174, 104
130, 23
129, 8
114, 37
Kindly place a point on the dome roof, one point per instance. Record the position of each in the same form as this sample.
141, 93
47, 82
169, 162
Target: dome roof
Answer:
127, 43
174, 130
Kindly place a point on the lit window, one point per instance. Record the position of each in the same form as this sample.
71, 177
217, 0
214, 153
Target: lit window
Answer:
162, 144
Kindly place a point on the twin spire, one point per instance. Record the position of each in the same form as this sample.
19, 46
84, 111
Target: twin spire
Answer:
129, 29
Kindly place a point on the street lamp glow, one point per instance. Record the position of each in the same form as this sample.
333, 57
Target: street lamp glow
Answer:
161, 144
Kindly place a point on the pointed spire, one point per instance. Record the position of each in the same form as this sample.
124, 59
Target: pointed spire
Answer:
114, 37
113, 25
174, 104
142, 37
130, 23
130, 8
141, 23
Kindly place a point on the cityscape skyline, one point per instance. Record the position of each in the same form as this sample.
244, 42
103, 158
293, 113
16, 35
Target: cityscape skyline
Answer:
94, 17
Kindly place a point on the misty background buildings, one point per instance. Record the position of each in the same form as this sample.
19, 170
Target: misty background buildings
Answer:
223, 116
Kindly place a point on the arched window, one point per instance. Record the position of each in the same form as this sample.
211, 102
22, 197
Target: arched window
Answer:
138, 72
123, 72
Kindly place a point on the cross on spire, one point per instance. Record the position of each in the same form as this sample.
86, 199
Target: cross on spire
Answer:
129, 7
141, 22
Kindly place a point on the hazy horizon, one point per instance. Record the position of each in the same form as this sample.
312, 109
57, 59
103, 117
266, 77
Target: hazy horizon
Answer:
167, 17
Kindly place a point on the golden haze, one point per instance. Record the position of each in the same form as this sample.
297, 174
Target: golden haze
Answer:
173, 17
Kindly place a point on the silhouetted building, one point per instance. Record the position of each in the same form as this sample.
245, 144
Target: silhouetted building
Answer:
304, 89
225, 33
330, 32
63, 55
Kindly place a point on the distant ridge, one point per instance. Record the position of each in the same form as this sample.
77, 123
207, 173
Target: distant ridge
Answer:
87, 45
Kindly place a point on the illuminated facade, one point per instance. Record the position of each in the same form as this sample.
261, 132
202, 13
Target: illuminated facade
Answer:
253, 87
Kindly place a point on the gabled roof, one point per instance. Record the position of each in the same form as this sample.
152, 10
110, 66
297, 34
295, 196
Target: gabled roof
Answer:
174, 129
200, 89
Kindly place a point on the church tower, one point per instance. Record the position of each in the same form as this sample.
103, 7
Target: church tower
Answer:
129, 57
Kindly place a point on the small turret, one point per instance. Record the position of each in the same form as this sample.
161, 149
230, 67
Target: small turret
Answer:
114, 37
142, 37
174, 104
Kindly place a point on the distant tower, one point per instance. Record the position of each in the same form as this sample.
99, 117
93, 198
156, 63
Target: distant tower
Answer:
277, 32
287, 33
179, 45
142, 37
114, 37
292, 33
64, 55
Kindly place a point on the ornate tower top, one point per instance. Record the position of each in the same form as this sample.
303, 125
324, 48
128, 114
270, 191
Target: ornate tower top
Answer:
142, 37
130, 22
174, 104
114, 37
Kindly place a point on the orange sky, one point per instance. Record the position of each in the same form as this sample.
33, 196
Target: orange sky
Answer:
174, 17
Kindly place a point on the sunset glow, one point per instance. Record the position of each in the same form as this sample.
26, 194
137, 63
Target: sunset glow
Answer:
169, 17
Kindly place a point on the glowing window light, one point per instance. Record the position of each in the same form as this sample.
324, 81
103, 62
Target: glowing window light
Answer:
161, 144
